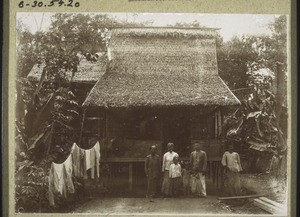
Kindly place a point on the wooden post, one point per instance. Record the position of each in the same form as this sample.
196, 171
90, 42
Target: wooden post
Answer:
210, 169
106, 124
216, 125
213, 172
222, 121
161, 116
99, 123
130, 177
219, 123
82, 124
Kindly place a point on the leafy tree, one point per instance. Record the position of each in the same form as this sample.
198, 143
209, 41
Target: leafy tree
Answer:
263, 69
50, 105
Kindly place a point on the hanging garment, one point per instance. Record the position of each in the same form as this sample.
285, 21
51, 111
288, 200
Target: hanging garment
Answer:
60, 179
51, 186
68, 171
75, 152
87, 162
56, 181
93, 162
87, 157
77, 164
98, 156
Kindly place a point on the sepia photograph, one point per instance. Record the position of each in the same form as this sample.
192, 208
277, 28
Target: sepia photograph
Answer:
151, 113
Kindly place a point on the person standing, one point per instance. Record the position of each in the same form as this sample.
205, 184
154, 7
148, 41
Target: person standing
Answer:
152, 170
167, 161
175, 177
198, 162
231, 162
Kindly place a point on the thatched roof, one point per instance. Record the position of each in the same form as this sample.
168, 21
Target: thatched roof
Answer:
88, 72
161, 67
122, 90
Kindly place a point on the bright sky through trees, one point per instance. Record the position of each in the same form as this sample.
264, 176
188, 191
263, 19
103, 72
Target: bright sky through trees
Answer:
229, 24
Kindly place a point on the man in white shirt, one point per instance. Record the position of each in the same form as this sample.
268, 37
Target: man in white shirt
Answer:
167, 161
232, 165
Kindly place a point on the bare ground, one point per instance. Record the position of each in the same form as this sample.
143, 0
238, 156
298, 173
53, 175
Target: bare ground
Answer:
179, 206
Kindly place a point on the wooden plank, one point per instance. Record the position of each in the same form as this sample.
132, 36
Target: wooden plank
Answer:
241, 197
266, 206
274, 203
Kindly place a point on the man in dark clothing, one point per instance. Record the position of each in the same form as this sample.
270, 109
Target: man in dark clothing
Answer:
152, 170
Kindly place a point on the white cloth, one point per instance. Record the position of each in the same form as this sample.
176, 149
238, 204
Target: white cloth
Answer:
68, 166
198, 184
168, 160
175, 170
98, 157
59, 177
87, 157
76, 164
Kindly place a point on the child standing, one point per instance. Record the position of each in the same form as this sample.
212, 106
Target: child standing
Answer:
175, 177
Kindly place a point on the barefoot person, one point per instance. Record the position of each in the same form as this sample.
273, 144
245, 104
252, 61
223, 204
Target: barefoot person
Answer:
232, 165
198, 162
167, 161
152, 170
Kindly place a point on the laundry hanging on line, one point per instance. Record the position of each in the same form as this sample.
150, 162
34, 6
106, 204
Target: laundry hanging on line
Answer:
85, 159
76, 164
60, 179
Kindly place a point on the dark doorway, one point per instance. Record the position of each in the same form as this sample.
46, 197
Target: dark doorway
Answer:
177, 129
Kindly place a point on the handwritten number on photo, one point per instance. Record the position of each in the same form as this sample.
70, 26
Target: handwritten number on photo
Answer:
51, 3
34, 4
70, 3
60, 3
21, 4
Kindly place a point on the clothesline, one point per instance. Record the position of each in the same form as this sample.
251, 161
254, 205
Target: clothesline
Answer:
76, 165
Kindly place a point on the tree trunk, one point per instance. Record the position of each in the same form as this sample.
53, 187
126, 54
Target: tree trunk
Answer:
20, 107
280, 99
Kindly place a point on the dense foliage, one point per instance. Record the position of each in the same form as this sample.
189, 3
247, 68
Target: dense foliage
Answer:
48, 106
255, 68
47, 109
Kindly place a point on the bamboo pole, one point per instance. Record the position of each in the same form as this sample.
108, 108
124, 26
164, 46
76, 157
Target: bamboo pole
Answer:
267, 207
82, 124
241, 197
274, 203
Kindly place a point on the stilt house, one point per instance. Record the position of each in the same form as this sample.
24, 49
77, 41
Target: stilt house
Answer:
161, 85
